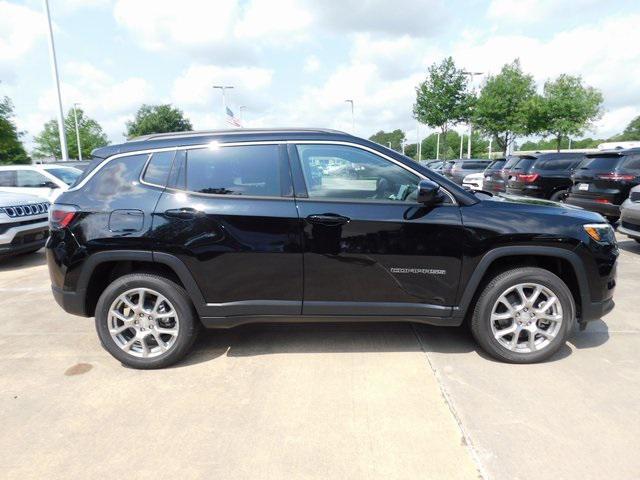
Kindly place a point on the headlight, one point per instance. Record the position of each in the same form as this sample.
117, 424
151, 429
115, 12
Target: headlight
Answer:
600, 232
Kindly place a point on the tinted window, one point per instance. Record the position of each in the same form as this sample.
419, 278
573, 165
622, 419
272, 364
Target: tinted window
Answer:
557, 164
605, 163
118, 177
67, 175
474, 165
343, 172
158, 168
177, 176
632, 162
511, 162
524, 164
246, 170
31, 179
496, 165
7, 178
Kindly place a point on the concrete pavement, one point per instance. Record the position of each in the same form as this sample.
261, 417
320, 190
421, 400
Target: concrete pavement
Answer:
314, 401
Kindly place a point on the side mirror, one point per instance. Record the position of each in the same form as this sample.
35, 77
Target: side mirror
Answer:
428, 192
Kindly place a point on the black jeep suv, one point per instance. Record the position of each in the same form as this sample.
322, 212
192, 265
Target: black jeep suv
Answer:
603, 181
543, 175
167, 233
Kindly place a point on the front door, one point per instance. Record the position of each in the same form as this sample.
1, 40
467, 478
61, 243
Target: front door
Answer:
369, 247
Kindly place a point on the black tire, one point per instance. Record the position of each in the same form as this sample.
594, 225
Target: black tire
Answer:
481, 324
559, 196
637, 240
188, 318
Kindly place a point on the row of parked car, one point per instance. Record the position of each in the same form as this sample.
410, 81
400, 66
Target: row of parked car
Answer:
26, 191
606, 181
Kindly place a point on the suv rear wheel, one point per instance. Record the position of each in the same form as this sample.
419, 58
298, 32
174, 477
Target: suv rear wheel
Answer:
523, 315
146, 321
559, 196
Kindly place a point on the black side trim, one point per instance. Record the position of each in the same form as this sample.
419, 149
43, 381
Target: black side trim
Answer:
486, 261
229, 322
374, 309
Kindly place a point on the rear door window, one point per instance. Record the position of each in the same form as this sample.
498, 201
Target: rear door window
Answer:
253, 170
474, 165
158, 168
557, 164
631, 164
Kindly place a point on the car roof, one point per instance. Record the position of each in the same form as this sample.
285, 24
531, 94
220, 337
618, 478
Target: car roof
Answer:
618, 152
21, 167
160, 140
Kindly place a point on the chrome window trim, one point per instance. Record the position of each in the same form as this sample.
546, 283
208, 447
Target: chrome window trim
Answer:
151, 151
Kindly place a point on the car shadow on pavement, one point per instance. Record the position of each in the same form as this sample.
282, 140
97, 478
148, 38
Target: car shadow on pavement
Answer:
267, 339
27, 260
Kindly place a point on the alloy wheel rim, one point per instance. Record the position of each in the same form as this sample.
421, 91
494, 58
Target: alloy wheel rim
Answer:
143, 323
526, 318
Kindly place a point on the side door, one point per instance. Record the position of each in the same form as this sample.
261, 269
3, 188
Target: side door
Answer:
229, 215
35, 183
369, 247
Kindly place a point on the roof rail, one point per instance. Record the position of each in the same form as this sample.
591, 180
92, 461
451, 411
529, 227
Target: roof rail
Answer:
198, 133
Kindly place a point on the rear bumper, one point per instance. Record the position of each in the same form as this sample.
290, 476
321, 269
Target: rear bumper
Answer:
605, 209
71, 302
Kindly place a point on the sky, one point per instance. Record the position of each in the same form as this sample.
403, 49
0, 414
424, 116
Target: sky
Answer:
294, 62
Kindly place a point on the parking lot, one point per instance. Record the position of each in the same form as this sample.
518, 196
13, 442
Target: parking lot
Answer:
314, 401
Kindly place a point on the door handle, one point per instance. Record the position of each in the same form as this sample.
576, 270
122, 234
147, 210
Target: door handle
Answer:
183, 213
328, 219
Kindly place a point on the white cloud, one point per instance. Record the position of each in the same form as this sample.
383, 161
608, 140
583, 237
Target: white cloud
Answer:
311, 64
532, 11
20, 29
277, 20
614, 121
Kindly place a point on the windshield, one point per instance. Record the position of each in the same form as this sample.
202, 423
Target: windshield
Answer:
67, 175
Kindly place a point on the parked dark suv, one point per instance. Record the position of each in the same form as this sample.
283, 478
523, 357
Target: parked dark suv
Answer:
543, 175
167, 233
603, 181
493, 181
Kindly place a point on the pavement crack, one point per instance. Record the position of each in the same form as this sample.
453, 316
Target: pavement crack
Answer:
466, 438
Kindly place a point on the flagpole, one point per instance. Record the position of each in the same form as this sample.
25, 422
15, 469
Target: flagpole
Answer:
223, 88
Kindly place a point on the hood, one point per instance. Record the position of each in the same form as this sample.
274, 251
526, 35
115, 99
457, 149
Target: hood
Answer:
537, 205
14, 199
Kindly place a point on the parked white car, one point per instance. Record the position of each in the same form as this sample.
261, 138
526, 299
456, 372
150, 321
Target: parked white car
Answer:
474, 181
24, 225
46, 181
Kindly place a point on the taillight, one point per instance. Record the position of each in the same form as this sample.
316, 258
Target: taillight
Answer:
528, 177
602, 200
60, 216
616, 176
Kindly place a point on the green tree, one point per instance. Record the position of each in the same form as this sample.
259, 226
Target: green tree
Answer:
450, 147
411, 150
396, 138
632, 132
504, 108
442, 99
157, 119
11, 148
91, 136
568, 107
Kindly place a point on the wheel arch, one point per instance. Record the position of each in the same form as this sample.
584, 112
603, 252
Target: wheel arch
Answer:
102, 268
566, 264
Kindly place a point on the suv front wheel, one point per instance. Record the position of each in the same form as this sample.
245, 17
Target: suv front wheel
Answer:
523, 315
146, 321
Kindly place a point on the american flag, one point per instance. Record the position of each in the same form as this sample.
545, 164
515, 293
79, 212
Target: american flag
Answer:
232, 119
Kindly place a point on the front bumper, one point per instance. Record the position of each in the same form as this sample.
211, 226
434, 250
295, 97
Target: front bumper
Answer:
595, 311
23, 238
605, 209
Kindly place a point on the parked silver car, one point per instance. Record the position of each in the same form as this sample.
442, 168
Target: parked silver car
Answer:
630, 215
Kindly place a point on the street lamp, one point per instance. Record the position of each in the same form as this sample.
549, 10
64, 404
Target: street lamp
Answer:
471, 74
54, 73
353, 119
75, 117
461, 143
438, 147
223, 88
240, 109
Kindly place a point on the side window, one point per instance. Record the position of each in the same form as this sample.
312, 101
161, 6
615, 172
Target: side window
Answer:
158, 168
7, 178
632, 163
350, 173
118, 177
242, 170
31, 179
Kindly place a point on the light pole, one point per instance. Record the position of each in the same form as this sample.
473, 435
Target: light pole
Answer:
54, 73
438, 147
223, 88
241, 108
471, 74
353, 118
490, 144
418, 144
75, 117
404, 141
461, 143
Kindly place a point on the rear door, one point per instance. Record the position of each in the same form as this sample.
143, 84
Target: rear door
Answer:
229, 215
369, 247
518, 174
596, 177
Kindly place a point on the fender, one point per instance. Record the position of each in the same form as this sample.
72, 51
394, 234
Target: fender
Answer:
470, 288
